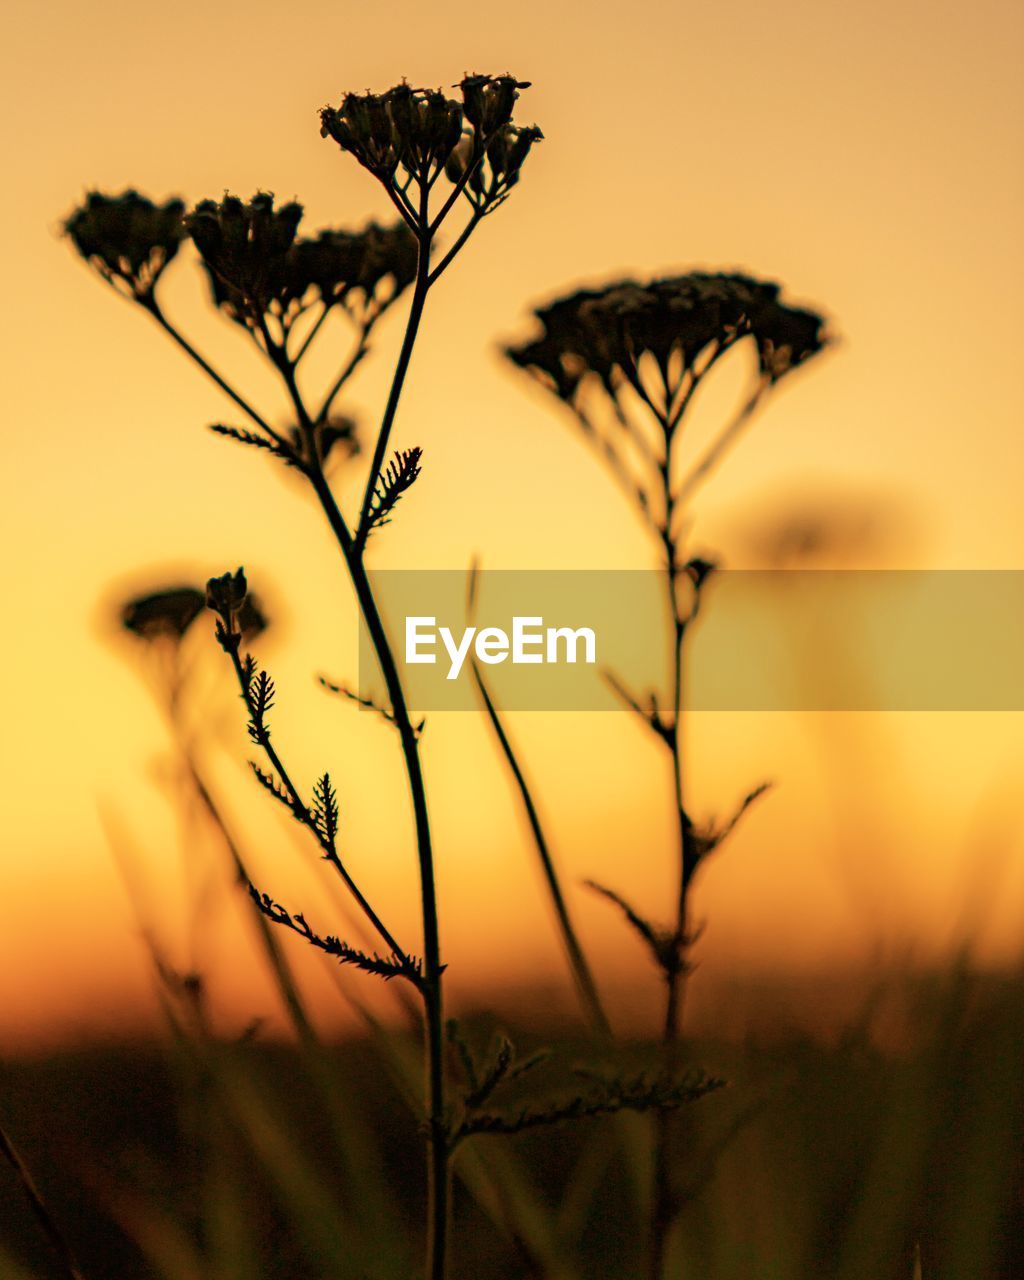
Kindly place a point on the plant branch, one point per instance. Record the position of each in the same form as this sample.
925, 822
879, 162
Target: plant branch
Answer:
581, 971
154, 310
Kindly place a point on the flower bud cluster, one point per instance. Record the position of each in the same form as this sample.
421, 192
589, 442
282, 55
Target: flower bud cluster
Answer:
604, 333
411, 134
128, 239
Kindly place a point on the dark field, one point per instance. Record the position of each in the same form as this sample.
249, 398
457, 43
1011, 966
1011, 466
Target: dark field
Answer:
835, 1159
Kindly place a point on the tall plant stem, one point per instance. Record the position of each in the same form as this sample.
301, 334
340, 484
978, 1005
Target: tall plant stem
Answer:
419, 298
581, 972
438, 1183
664, 1201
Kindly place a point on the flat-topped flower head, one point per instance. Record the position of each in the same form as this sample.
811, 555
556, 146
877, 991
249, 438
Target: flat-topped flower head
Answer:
362, 271
363, 126
422, 132
244, 248
168, 614
675, 321
259, 266
163, 615
415, 128
127, 238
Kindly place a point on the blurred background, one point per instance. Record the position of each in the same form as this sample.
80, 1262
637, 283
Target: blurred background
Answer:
869, 159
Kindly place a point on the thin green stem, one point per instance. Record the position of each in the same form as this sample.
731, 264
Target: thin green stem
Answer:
720, 446
306, 818
314, 329
581, 971
419, 299
347, 370
432, 966
466, 232
154, 310
664, 1199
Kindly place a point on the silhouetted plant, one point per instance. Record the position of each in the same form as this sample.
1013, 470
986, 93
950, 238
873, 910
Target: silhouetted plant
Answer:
626, 360
430, 153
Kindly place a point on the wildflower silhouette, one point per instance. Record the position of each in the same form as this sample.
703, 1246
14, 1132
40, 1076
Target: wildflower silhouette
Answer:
626, 360
432, 154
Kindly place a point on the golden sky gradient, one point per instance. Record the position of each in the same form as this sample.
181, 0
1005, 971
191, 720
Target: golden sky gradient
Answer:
868, 156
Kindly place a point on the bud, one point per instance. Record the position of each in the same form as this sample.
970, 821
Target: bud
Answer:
226, 595
488, 101
244, 248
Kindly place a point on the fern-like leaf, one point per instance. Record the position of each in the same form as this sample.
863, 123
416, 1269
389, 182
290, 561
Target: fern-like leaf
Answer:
367, 704
396, 479
386, 967
278, 791
325, 810
260, 698
637, 1093
251, 438
494, 1072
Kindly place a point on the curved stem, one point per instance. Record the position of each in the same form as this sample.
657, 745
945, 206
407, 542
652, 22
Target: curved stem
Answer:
154, 310
664, 1205
718, 448
306, 818
347, 370
581, 972
314, 329
464, 235
419, 298
432, 966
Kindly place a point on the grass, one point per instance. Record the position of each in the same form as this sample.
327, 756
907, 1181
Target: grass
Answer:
838, 1159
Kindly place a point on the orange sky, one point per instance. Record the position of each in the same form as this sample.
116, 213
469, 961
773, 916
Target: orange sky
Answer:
868, 157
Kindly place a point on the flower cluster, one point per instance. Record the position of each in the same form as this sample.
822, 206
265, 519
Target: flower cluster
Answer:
606, 332
244, 248
169, 613
128, 239
166, 614
362, 271
407, 135
258, 265
490, 178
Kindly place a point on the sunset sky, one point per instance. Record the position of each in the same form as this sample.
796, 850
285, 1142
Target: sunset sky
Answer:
869, 157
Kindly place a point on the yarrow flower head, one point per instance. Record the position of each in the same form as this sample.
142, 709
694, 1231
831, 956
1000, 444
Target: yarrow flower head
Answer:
165, 614
422, 132
128, 239
362, 271
682, 324
244, 248
168, 614
259, 266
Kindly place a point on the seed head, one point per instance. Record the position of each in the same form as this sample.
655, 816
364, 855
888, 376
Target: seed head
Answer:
127, 239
